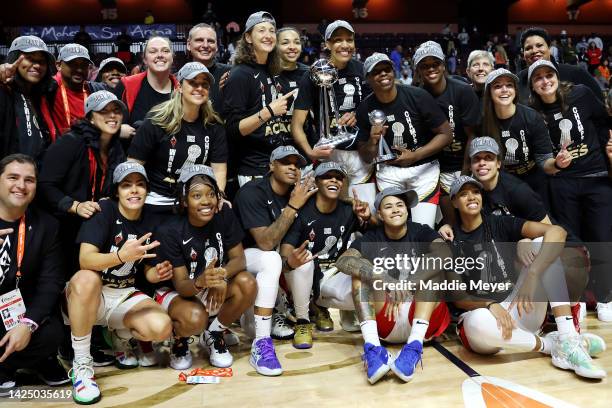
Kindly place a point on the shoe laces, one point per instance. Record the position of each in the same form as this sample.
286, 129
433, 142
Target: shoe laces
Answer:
180, 346
302, 329
575, 351
82, 368
217, 341
266, 349
416, 350
280, 321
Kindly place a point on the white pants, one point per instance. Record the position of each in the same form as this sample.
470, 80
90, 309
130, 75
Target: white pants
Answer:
336, 290
357, 170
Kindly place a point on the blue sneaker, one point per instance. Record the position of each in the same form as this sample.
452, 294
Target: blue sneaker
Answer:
409, 356
376, 359
263, 357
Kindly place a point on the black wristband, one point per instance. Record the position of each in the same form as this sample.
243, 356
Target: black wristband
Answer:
271, 111
118, 257
491, 304
557, 166
292, 207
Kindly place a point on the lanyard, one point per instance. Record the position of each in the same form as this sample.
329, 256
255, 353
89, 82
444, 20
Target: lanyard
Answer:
20, 247
62, 88
93, 169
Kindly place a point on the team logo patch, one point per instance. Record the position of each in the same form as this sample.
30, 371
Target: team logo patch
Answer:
173, 142
118, 238
311, 235
193, 254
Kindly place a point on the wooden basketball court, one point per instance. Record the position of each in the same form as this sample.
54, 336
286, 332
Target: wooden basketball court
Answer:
331, 374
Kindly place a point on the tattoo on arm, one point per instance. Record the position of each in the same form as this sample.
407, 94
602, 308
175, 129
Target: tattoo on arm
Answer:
277, 230
354, 264
362, 301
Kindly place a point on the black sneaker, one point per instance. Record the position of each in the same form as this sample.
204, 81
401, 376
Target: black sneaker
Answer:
53, 373
7, 383
101, 359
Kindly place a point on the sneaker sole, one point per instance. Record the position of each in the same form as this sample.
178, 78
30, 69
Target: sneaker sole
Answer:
402, 376
287, 337
147, 364
587, 374
303, 346
125, 366
380, 373
90, 402
325, 329
267, 373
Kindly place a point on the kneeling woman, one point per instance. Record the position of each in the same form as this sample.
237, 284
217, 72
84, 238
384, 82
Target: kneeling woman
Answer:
205, 248
513, 321
113, 242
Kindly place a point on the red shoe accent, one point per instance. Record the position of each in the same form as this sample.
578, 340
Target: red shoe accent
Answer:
576, 316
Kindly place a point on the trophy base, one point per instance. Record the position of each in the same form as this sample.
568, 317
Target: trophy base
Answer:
385, 158
335, 141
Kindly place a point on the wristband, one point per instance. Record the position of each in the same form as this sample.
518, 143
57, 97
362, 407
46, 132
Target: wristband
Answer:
118, 257
270, 110
198, 288
260, 118
292, 207
557, 166
76, 209
491, 304
32, 325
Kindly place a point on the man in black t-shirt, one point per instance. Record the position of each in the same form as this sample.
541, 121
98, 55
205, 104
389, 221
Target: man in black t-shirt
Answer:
325, 223
394, 316
267, 208
113, 244
31, 279
416, 129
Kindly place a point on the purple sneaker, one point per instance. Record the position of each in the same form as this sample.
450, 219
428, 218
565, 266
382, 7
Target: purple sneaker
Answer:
263, 357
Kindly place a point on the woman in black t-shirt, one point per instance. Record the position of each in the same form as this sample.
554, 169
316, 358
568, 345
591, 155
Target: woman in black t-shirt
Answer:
520, 132
252, 106
581, 192
179, 133
204, 246
510, 315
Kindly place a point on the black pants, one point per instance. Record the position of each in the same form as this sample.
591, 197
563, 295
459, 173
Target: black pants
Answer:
43, 344
583, 204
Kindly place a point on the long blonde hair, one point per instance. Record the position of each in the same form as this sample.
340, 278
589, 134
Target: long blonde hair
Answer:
169, 115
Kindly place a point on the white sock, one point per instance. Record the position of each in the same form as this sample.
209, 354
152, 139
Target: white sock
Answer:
369, 331
81, 346
263, 326
216, 326
419, 328
565, 325
547, 345
300, 283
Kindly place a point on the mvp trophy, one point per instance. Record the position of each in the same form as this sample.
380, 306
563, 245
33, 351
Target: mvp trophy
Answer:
324, 75
385, 154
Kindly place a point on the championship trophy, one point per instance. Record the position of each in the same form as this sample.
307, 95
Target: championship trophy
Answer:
324, 75
385, 154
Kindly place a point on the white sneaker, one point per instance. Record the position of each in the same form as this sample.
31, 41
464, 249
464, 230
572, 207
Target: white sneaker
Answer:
125, 357
280, 329
147, 358
592, 343
84, 387
604, 312
570, 354
214, 345
180, 356
230, 338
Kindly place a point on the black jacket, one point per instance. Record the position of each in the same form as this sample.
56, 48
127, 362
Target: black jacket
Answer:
66, 170
42, 269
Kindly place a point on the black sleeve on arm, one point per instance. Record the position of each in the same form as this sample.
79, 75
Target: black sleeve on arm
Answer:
294, 235
94, 231
250, 210
527, 204
50, 280
583, 77
145, 141
305, 97
542, 145
58, 161
234, 234
512, 227
431, 111
470, 107
236, 104
170, 248
218, 148
363, 122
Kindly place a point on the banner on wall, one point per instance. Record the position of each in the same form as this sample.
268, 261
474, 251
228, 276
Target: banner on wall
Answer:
66, 33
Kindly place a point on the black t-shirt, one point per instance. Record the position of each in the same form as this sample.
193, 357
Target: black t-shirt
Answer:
330, 231
410, 117
146, 99
349, 90
256, 205
165, 155
584, 125
287, 82
375, 244
512, 196
462, 108
194, 247
217, 70
108, 230
498, 259
524, 139
248, 89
